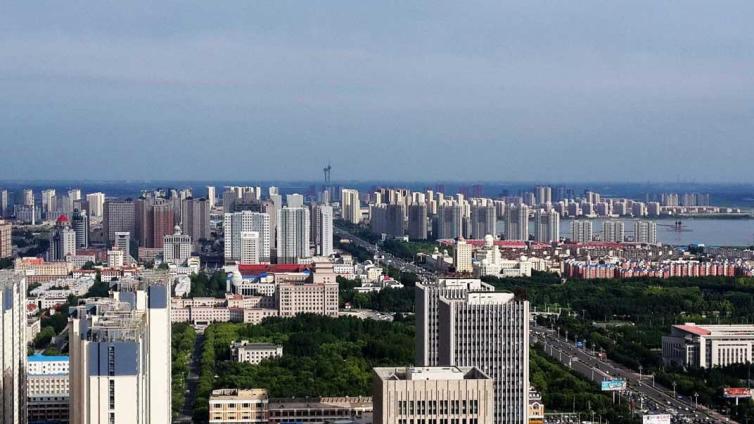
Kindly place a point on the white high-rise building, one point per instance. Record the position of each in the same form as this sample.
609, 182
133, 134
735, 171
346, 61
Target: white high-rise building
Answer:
236, 223
96, 203
517, 222
293, 234
547, 226
294, 200
645, 232
49, 202
427, 298
62, 240
120, 356
581, 231
350, 205
13, 360
449, 222
490, 331
123, 242
462, 257
322, 229
249, 248
613, 231
483, 221
176, 248
211, 196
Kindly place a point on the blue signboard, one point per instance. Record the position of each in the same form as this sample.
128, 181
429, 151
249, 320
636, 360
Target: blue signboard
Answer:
615, 385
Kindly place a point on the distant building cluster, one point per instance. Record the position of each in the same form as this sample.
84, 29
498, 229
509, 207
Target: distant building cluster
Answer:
657, 269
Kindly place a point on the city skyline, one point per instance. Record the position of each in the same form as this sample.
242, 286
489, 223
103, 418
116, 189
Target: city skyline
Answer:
489, 90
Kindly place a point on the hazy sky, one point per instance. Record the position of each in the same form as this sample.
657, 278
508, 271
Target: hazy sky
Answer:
469, 90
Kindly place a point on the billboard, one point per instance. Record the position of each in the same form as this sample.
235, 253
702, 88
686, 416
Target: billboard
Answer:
656, 419
615, 385
736, 392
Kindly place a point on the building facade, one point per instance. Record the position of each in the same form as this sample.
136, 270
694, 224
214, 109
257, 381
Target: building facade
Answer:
13, 360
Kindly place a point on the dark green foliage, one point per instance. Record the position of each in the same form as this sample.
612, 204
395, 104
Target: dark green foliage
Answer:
183, 339
203, 285
386, 300
407, 249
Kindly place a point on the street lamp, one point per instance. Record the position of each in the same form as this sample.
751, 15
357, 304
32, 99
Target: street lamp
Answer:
674, 396
696, 400
640, 369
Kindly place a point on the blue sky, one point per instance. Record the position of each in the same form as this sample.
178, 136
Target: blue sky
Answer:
416, 90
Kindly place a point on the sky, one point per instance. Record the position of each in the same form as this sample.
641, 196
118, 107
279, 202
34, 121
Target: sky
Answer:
384, 90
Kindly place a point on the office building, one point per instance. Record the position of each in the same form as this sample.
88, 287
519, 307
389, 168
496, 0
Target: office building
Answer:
119, 216
155, 219
517, 222
645, 232
249, 248
115, 258
120, 356
427, 297
6, 244
483, 221
322, 229
350, 206
47, 389
176, 247
13, 339
432, 394
547, 226
293, 234
708, 346
449, 222
238, 406
613, 231
122, 242
254, 353
96, 202
490, 331
27, 197
49, 203
417, 222
211, 196
80, 225
62, 240
462, 257
246, 221
581, 231
316, 294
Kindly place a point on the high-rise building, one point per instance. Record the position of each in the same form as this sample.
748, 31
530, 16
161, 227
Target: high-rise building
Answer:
122, 242
294, 200
490, 331
322, 229
47, 389
517, 222
195, 219
293, 234
249, 248
49, 203
645, 232
547, 226
420, 395
483, 221
417, 222
155, 219
462, 257
176, 248
449, 221
613, 231
426, 299
119, 216
27, 198
4, 204
246, 221
350, 205
96, 203
211, 196
543, 195
581, 231
62, 240
13, 361
120, 356
80, 225
6, 246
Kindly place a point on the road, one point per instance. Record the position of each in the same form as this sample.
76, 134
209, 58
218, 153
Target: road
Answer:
655, 398
192, 381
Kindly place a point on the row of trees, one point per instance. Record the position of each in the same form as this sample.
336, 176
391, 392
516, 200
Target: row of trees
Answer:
182, 344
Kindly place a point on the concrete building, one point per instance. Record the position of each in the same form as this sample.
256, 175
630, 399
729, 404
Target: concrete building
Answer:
211, 196
47, 389
6, 245
62, 240
547, 226
490, 331
120, 356
195, 219
254, 353
483, 221
80, 225
350, 205
517, 222
118, 216
13, 361
155, 219
122, 242
613, 231
462, 257
417, 222
249, 248
426, 299
449, 222
645, 232
238, 406
581, 231
293, 298
707, 346
176, 248
293, 235
322, 229
246, 221
96, 202
432, 395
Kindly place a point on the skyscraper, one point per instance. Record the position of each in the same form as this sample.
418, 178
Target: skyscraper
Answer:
322, 229
483, 221
211, 196
449, 221
13, 340
547, 226
249, 248
350, 205
119, 216
6, 246
4, 204
613, 231
155, 219
238, 222
80, 225
417, 222
62, 240
120, 356
581, 231
195, 219
490, 331
462, 257
293, 234
543, 195
517, 222
645, 232
96, 202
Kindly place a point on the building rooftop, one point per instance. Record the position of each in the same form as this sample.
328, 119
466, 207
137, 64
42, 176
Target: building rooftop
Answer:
234, 394
489, 298
43, 358
430, 373
715, 330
